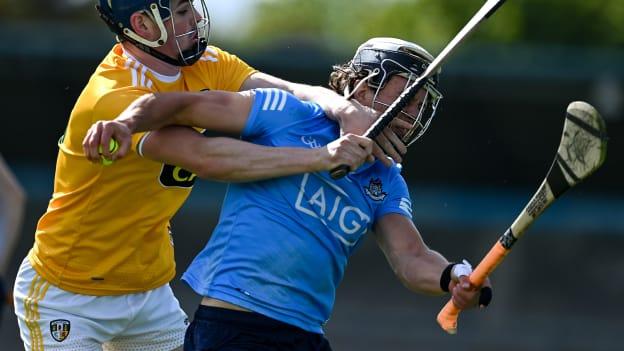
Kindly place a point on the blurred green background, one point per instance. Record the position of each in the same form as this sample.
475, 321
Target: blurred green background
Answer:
506, 90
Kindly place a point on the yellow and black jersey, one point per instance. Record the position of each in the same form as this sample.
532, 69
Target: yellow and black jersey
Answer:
106, 229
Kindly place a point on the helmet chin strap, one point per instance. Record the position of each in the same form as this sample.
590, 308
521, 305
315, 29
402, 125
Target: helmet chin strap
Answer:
185, 58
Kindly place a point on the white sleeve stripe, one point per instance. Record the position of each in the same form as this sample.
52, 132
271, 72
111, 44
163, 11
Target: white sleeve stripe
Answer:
267, 100
406, 206
140, 145
274, 99
283, 102
134, 77
278, 95
137, 71
143, 76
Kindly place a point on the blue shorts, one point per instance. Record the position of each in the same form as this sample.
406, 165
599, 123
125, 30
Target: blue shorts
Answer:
228, 330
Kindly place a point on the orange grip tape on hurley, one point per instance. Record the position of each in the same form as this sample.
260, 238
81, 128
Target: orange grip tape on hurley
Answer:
447, 318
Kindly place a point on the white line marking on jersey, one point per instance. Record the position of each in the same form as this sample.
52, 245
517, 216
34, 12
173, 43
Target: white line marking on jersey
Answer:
267, 99
283, 102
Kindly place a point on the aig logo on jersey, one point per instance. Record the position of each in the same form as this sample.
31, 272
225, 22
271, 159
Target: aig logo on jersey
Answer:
59, 328
176, 176
374, 190
331, 204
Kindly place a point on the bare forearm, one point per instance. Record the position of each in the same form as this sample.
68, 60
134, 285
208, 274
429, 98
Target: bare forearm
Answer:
421, 273
214, 110
413, 262
154, 111
244, 162
227, 159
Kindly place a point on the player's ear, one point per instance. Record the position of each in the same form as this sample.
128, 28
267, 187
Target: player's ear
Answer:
143, 25
362, 94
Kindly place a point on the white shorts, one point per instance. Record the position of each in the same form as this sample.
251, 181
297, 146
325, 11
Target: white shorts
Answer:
53, 319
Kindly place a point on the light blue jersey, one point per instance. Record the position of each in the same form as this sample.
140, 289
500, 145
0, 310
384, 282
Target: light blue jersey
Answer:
281, 245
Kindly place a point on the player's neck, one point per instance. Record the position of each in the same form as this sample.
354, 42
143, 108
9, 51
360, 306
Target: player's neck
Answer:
150, 61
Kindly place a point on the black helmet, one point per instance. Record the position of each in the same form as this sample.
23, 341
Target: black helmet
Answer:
381, 58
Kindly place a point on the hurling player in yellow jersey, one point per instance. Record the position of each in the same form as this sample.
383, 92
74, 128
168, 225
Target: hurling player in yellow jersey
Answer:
96, 279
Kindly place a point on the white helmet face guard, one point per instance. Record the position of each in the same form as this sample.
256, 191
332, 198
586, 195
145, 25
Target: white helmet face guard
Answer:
161, 11
201, 32
428, 107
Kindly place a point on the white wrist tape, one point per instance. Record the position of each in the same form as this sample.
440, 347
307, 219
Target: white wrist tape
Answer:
461, 269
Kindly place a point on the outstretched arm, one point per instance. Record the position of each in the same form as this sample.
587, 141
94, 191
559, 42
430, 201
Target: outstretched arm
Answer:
214, 158
220, 111
417, 266
233, 160
215, 110
352, 117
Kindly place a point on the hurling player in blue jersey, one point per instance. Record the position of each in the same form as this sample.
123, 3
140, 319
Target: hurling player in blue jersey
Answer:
269, 273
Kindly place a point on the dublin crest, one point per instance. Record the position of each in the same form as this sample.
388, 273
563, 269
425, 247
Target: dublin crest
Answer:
59, 328
374, 190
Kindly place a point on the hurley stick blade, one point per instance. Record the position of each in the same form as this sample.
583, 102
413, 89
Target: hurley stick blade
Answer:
583, 146
582, 150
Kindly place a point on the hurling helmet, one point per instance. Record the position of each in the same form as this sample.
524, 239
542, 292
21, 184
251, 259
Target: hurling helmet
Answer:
117, 13
381, 58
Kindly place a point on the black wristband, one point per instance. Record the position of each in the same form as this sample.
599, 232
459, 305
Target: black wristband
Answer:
485, 297
445, 278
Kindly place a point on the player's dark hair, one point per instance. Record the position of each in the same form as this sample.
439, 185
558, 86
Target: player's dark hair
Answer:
344, 77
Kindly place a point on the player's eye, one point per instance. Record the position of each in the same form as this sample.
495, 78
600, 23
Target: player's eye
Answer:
183, 9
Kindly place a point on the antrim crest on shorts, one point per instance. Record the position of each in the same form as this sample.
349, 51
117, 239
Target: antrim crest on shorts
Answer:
374, 190
59, 328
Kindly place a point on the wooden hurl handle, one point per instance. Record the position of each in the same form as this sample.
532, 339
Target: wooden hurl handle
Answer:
447, 318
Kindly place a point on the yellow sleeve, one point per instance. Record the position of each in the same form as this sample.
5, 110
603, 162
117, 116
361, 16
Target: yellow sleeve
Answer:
105, 107
111, 105
230, 72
